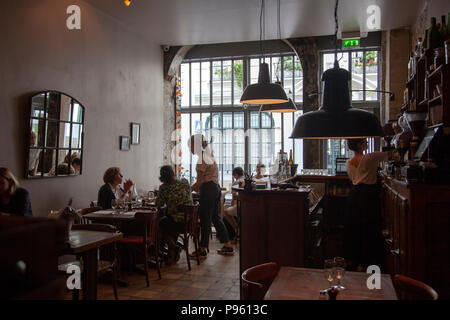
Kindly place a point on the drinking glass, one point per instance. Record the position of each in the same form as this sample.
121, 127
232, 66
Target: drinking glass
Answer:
328, 268
339, 271
114, 205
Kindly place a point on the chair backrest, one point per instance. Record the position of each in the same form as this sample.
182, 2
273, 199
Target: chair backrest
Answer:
148, 224
101, 227
411, 289
256, 280
190, 217
89, 210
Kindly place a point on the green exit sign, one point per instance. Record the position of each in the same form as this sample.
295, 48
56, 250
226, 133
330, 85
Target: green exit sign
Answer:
350, 43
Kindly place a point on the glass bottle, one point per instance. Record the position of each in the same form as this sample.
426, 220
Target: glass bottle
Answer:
434, 37
443, 30
291, 162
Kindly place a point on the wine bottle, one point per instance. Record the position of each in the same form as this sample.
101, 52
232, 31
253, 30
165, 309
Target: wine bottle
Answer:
443, 30
434, 37
291, 162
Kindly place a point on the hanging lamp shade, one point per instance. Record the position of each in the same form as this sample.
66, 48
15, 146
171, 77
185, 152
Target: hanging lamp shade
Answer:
337, 119
264, 92
279, 107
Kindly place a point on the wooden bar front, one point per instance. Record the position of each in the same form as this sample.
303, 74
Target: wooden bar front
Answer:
272, 224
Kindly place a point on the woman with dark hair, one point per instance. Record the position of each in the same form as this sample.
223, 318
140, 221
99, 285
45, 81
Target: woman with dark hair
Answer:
207, 185
362, 238
13, 199
172, 193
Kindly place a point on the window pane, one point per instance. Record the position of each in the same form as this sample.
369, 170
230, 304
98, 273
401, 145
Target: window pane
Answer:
77, 112
343, 60
206, 68
226, 87
254, 119
357, 76
287, 130
239, 147
65, 108
227, 120
64, 135
238, 80
298, 146
298, 81
254, 70
52, 133
239, 120
227, 156
217, 83
185, 152
287, 76
328, 61
195, 81
77, 131
371, 75
276, 69
185, 89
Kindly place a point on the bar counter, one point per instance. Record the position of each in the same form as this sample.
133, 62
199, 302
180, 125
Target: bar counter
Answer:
272, 226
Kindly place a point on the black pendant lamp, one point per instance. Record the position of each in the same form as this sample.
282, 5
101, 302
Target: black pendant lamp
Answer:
279, 107
337, 119
263, 92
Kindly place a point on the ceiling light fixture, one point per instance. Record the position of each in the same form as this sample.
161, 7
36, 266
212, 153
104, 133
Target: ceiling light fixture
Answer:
286, 106
263, 92
337, 119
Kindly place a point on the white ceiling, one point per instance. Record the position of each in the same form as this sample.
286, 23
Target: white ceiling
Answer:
184, 22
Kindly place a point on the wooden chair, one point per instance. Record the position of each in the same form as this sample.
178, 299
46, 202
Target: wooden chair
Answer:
86, 211
191, 229
257, 280
148, 223
108, 256
411, 289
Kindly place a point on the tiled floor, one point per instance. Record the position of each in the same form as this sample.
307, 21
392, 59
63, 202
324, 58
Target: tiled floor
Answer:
216, 278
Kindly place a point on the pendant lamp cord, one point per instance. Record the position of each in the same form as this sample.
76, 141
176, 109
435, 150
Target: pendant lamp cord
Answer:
262, 19
336, 22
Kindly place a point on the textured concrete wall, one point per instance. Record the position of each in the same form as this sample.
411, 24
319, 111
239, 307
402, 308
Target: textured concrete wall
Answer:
113, 72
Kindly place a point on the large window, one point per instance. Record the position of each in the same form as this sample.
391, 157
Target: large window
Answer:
363, 66
240, 136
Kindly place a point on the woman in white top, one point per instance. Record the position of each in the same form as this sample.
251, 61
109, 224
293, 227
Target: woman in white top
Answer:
207, 185
362, 238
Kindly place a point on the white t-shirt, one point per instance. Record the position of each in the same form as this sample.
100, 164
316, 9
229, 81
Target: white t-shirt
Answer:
366, 172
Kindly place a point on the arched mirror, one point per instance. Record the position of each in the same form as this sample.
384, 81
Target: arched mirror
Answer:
55, 136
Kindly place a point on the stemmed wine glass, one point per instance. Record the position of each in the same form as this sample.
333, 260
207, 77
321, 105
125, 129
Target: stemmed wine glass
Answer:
115, 205
339, 271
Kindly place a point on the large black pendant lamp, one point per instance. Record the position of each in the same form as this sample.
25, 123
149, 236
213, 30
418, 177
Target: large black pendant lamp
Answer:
263, 92
337, 119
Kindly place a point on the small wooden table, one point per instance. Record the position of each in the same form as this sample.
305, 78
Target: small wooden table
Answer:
86, 244
305, 284
114, 217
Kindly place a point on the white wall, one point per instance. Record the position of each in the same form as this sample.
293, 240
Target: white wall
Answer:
113, 72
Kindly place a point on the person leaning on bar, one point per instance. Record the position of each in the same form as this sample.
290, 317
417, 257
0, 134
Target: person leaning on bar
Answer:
362, 236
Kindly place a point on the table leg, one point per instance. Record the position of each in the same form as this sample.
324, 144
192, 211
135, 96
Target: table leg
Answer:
89, 275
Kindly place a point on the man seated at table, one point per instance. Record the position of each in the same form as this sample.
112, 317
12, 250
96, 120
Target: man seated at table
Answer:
172, 193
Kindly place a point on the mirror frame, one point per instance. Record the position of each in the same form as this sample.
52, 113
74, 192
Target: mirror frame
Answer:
43, 148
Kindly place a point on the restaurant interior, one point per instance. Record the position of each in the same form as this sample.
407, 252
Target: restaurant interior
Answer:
225, 150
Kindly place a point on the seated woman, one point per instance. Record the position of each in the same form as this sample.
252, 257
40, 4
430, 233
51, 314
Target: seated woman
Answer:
112, 189
230, 212
172, 193
13, 199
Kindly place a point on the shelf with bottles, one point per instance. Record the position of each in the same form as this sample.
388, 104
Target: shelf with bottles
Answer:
438, 93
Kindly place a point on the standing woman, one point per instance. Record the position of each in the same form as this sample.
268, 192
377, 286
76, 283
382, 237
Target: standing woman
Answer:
14, 200
362, 239
207, 185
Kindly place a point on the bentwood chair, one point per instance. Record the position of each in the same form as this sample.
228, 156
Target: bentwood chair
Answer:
148, 223
411, 289
256, 280
191, 229
108, 256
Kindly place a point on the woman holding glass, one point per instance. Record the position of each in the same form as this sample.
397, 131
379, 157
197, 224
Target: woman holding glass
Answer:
113, 189
207, 185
